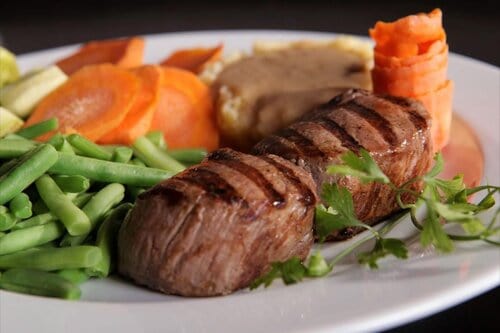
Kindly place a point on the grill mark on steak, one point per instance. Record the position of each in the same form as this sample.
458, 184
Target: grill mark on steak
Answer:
417, 119
345, 138
202, 215
213, 184
373, 118
308, 197
400, 101
306, 146
274, 144
231, 161
173, 195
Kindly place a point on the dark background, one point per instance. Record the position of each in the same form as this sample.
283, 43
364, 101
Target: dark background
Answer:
472, 27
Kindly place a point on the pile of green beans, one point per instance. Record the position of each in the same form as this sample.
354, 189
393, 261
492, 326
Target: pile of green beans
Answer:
62, 203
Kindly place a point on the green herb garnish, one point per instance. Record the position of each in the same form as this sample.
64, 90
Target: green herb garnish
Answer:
445, 202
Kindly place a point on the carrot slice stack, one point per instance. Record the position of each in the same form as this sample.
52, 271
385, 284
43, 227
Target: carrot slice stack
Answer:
185, 112
127, 52
411, 60
138, 120
92, 102
193, 60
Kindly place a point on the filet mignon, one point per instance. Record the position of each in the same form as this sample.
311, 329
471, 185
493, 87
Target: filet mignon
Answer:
217, 226
396, 132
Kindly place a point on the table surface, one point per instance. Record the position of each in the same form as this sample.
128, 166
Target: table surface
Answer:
473, 29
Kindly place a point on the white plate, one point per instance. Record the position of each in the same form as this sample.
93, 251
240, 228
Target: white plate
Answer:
352, 299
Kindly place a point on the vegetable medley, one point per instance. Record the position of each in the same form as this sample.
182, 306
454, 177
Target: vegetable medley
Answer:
81, 139
62, 203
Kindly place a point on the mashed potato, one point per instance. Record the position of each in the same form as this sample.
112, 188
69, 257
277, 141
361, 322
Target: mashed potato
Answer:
257, 94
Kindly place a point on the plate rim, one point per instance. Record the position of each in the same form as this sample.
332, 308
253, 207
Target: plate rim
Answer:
249, 31
412, 316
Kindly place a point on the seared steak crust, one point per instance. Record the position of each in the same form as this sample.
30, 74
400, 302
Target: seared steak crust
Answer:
217, 226
396, 132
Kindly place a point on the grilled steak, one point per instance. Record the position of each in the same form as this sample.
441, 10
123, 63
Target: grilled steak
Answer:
396, 132
217, 226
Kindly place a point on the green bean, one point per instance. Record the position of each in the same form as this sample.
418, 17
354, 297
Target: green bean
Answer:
15, 136
106, 240
49, 245
21, 206
109, 172
39, 206
72, 217
96, 208
72, 184
52, 259
2, 234
122, 154
188, 156
110, 148
7, 219
88, 148
137, 161
67, 148
35, 220
103, 201
154, 156
38, 129
22, 239
10, 148
56, 140
81, 199
157, 138
46, 217
36, 282
30, 166
61, 144
76, 276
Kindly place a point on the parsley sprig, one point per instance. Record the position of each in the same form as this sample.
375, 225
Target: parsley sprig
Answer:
445, 202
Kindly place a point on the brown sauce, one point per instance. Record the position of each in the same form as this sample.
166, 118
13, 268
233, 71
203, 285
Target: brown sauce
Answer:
278, 87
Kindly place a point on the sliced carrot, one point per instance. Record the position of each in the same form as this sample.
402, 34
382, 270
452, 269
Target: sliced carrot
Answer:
128, 52
415, 29
411, 60
439, 104
405, 48
423, 67
406, 82
413, 79
91, 102
138, 120
399, 50
433, 49
193, 60
185, 111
